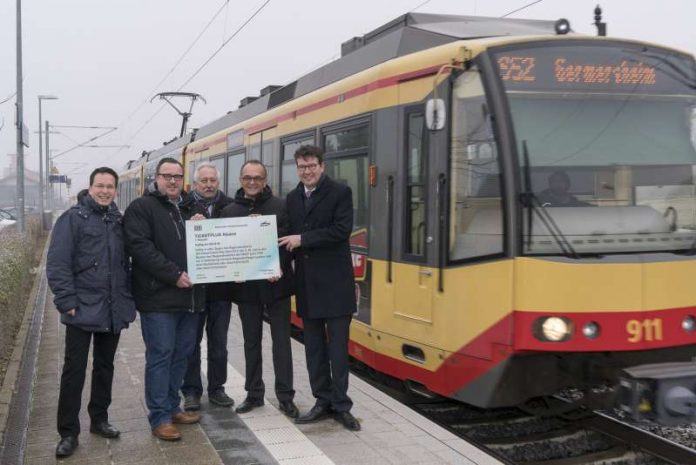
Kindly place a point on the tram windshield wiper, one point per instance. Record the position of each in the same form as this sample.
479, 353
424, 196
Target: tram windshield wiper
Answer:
531, 202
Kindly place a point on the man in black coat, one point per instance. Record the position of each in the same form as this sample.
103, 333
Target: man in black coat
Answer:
216, 317
320, 214
164, 294
87, 272
254, 298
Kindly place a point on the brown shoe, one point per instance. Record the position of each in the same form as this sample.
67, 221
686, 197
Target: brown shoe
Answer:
186, 418
167, 432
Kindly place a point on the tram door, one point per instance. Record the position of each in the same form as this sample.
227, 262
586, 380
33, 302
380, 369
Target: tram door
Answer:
417, 281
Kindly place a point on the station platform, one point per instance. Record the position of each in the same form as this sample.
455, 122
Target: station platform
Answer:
391, 432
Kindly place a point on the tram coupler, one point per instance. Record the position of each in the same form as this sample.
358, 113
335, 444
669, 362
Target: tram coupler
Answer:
661, 392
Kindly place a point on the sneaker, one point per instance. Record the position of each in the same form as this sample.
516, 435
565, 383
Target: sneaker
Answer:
220, 398
192, 402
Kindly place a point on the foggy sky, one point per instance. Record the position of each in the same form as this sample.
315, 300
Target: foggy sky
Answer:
105, 59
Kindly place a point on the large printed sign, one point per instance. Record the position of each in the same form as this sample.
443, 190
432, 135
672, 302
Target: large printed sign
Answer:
232, 249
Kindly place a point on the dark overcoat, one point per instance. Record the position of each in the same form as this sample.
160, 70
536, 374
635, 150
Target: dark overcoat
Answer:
261, 291
87, 268
156, 242
325, 286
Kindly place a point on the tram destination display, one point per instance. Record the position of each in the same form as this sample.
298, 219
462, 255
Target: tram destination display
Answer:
232, 249
592, 68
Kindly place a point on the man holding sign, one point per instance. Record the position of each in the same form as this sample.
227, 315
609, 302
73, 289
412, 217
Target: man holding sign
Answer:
216, 318
271, 295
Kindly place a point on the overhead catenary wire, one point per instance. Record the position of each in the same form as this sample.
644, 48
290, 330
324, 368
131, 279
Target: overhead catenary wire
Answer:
200, 68
521, 8
170, 72
7, 99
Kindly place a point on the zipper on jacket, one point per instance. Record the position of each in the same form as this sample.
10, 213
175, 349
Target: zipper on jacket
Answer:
176, 226
110, 299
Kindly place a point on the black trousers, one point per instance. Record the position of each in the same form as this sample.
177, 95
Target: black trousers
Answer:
326, 349
252, 328
216, 321
73, 378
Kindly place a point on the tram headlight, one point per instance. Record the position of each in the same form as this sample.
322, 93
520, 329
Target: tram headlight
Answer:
590, 330
554, 329
689, 323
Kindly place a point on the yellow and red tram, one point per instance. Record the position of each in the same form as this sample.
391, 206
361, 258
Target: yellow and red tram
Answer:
525, 201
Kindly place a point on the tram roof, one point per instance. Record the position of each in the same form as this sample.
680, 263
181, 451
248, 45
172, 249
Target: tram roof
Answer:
404, 35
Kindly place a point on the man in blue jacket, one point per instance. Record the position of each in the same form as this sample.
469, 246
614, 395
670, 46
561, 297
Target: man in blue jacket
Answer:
87, 272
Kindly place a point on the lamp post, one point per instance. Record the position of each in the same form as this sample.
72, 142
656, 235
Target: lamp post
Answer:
42, 179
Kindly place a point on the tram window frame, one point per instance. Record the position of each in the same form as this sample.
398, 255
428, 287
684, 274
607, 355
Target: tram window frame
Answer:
268, 158
361, 198
287, 162
233, 174
407, 217
496, 146
221, 169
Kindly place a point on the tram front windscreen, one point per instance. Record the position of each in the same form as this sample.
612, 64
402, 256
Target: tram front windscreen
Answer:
606, 138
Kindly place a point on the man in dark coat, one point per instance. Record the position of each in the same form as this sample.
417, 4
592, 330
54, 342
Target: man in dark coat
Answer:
216, 317
164, 294
87, 271
254, 298
320, 214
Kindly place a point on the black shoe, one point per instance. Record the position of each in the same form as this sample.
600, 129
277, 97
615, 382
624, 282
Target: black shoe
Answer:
315, 414
66, 446
192, 402
289, 408
249, 404
220, 398
104, 429
348, 420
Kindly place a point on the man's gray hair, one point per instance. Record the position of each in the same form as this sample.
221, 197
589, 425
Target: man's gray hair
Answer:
205, 164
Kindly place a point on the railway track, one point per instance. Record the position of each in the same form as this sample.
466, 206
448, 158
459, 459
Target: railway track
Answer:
567, 438
550, 432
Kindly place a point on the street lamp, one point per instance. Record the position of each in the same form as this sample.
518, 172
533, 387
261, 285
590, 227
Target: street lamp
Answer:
41, 163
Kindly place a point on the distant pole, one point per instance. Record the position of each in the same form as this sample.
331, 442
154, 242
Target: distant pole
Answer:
43, 186
48, 173
41, 174
20, 123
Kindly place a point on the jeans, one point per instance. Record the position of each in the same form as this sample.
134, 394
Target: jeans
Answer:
216, 321
169, 341
252, 328
73, 378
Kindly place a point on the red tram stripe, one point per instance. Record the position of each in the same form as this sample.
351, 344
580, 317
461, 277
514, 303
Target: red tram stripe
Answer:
335, 99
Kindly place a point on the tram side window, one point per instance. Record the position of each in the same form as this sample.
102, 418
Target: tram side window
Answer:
268, 162
353, 172
234, 167
476, 212
288, 175
346, 161
415, 185
220, 165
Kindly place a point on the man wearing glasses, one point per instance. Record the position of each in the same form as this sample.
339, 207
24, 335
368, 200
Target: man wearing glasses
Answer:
216, 318
167, 300
254, 298
320, 214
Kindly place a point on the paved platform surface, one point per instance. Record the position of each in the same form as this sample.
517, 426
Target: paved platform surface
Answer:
391, 433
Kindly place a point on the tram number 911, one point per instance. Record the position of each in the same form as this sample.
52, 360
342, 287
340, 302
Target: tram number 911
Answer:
645, 330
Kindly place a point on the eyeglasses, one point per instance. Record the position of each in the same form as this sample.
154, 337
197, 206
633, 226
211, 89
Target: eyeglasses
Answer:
207, 181
170, 177
252, 178
308, 167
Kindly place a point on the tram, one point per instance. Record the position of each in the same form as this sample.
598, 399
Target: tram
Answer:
525, 198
